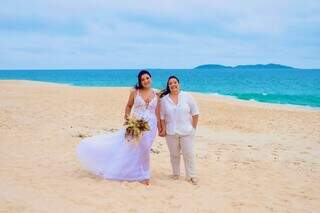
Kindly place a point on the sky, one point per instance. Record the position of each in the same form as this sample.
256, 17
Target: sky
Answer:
62, 34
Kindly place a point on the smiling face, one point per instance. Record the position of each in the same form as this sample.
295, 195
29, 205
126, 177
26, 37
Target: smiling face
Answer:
174, 85
145, 81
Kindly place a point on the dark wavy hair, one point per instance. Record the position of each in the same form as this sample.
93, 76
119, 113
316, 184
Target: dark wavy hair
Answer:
167, 89
141, 73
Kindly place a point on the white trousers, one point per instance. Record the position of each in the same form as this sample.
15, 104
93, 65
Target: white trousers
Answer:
184, 144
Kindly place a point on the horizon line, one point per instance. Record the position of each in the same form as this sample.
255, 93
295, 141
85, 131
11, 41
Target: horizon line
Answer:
158, 68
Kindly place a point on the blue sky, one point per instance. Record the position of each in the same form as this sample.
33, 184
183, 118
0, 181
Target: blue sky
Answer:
158, 34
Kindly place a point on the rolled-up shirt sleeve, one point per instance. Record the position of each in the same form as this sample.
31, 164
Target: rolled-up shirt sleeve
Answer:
162, 109
194, 109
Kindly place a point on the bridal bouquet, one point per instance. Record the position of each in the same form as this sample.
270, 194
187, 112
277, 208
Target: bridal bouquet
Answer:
134, 128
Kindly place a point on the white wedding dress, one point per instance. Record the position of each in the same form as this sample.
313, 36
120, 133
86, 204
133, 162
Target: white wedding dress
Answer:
111, 156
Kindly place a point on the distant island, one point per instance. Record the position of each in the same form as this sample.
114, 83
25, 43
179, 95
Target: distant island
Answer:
256, 66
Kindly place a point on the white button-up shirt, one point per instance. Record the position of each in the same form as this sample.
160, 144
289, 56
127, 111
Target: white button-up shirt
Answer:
178, 117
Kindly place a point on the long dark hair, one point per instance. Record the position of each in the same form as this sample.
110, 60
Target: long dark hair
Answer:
166, 91
141, 73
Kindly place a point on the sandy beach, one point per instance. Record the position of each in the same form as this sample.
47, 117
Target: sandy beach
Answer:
250, 157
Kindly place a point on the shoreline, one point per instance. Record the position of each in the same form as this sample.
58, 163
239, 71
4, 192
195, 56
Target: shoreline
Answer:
214, 95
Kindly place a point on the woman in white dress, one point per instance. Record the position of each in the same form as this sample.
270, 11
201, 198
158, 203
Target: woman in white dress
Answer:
179, 118
111, 156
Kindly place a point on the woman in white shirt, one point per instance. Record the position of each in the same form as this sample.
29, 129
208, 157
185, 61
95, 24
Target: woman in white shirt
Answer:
179, 118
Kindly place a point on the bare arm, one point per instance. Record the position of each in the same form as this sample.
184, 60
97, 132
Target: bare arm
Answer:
195, 119
158, 114
163, 131
162, 121
129, 104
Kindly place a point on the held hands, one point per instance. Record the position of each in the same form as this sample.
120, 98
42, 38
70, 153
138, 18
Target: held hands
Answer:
161, 128
162, 132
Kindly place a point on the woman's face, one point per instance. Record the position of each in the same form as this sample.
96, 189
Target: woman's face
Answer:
174, 85
146, 81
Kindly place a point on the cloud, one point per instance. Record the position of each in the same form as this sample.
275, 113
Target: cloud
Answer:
134, 34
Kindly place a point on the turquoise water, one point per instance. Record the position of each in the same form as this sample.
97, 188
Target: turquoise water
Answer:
282, 86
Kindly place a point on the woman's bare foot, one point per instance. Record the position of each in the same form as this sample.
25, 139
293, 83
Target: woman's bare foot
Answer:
145, 182
175, 177
194, 181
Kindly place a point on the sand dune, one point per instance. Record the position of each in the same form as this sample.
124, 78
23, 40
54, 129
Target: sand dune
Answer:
251, 157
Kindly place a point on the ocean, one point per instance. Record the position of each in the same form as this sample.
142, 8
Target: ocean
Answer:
280, 86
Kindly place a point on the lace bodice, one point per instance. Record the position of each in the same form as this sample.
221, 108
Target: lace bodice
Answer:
141, 109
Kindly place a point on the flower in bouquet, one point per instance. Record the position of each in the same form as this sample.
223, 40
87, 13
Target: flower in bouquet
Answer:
134, 128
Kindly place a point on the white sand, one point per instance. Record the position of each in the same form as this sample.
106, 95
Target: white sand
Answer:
251, 157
